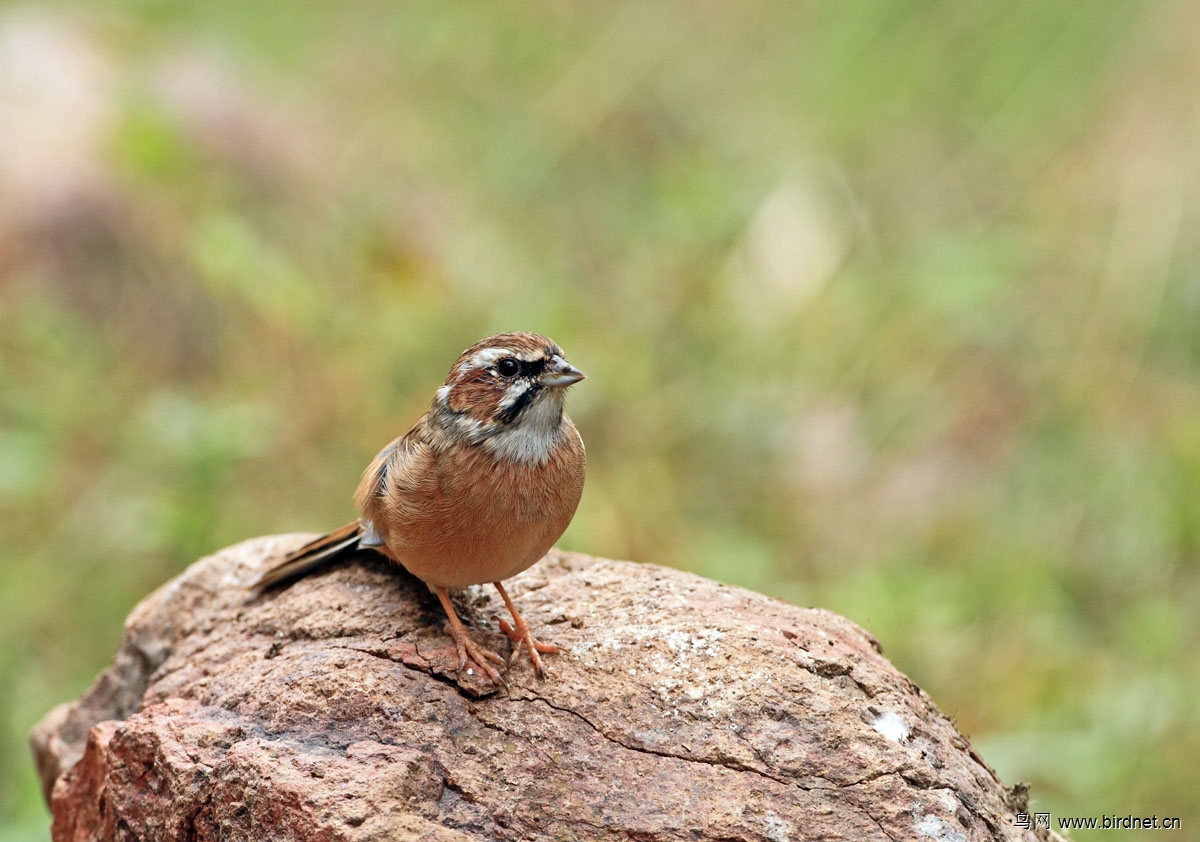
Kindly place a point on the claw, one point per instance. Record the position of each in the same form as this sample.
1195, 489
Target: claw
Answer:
467, 648
520, 633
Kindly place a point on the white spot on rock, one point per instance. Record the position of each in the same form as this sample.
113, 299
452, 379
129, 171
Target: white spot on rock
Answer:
777, 829
933, 827
892, 726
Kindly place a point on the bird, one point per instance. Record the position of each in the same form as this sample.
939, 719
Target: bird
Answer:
478, 490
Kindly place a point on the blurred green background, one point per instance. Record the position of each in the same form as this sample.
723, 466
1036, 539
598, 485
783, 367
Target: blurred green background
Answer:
887, 307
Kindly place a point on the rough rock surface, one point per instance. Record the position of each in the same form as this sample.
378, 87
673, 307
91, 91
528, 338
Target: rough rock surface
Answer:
333, 709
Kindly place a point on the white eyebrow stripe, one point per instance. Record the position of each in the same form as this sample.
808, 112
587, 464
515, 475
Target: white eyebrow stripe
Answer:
490, 356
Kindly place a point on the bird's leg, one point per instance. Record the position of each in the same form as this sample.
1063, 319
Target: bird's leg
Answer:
467, 648
520, 634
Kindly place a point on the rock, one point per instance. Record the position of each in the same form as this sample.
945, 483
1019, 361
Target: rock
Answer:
333, 710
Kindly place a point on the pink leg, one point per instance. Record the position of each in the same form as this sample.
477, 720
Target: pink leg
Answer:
520, 634
467, 648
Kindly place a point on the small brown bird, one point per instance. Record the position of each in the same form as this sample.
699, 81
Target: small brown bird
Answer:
477, 491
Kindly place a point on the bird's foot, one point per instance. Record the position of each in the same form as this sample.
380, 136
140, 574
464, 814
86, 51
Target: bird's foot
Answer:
520, 634
469, 650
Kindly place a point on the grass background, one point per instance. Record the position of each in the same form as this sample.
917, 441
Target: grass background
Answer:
888, 307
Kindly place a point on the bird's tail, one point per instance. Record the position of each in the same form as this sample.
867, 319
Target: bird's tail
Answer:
313, 555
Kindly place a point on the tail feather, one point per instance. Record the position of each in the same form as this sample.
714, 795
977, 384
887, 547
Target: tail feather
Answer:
313, 555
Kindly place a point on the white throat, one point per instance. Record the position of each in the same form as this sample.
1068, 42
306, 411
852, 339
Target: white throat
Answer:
530, 439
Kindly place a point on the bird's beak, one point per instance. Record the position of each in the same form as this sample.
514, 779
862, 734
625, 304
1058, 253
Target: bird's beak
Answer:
559, 372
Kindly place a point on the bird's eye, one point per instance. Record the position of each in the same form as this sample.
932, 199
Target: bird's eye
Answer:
507, 367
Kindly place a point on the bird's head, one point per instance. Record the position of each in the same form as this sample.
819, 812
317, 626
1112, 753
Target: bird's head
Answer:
507, 391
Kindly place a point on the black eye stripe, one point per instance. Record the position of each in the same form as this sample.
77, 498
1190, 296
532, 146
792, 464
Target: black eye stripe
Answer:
523, 368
